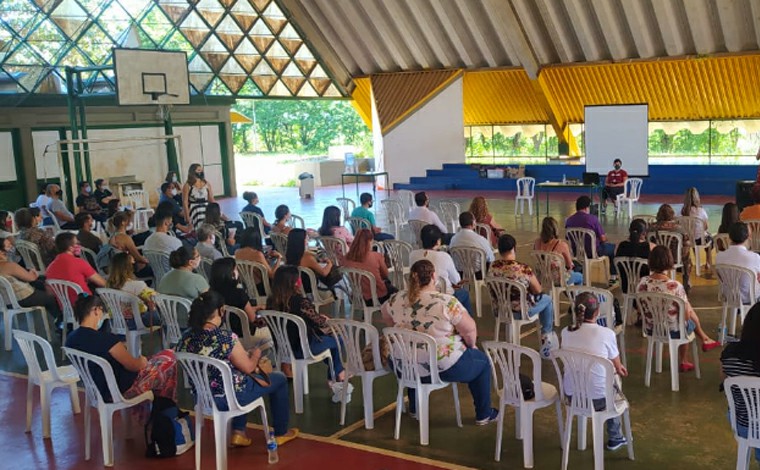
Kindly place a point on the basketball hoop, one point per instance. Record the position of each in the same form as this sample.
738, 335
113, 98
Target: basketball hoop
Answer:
164, 111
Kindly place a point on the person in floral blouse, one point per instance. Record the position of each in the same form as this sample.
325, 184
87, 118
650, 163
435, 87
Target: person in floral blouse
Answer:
660, 264
206, 337
422, 308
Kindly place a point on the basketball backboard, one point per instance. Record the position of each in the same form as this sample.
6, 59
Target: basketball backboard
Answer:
146, 77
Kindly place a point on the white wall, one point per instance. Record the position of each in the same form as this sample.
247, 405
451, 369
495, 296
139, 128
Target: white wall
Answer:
431, 136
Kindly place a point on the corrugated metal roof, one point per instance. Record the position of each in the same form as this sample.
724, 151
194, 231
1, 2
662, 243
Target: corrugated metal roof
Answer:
501, 96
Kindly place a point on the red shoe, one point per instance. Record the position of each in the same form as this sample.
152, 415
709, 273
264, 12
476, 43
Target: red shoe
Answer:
685, 367
710, 346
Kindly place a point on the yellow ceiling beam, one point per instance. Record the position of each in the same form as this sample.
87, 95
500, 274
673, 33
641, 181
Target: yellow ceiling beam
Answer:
362, 100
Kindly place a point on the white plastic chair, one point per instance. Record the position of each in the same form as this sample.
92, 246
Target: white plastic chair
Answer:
204, 268
358, 223
501, 302
692, 225
748, 388
394, 211
45, 375
336, 248
674, 241
31, 255
61, 290
649, 219
406, 198
631, 193
247, 270
416, 227
632, 268
200, 369
470, 261
221, 244
731, 278
169, 308
278, 327
754, 234
117, 302
552, 274
159, 263
578, 367
577, 238
91, 257
505, 359
252, 219
525, 192
657, 306
137, 199
450, 211
261, 339
346, 205
397, 252
606, 313
354, 336
10, 307
414, 355
317, 296
85, 364
296, 221
484, 230
355, 277
280, 242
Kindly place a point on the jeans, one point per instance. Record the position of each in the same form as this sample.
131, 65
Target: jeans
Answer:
608, 249
474, 370
381, 236
148, 319
742, 432
318, 344
614, 431
544, 308
575, 279
463, 296
279, 396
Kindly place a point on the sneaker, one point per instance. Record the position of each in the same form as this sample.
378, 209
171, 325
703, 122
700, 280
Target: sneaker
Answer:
549, 343
337, 389
493, 416
615, 444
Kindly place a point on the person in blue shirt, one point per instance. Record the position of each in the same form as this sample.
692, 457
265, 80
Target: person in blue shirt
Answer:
253, 199
363, 211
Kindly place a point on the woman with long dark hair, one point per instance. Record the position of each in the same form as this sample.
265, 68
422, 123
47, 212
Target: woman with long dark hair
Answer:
196, 194
206, 337
285, 298
331, 226
637, 246
549, 241
297, 255
281, 218
227, 228
361, 256
729, 216
225, 281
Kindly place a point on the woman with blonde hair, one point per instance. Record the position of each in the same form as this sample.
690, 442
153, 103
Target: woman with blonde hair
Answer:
479, 208
692, 207
122, 277
666, 222
422, 308
549, 241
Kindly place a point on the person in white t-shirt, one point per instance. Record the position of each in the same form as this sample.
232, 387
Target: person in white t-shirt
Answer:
693, 207
422, 212
739, 255
444, 265
587, 336
467, 237
161, 240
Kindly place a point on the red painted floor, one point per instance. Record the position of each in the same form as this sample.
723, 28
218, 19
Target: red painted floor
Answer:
65, 450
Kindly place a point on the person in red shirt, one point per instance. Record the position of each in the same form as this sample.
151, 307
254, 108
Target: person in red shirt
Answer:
614, 184
68, 266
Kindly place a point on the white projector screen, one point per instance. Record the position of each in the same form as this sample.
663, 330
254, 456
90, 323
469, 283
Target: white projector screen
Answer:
617, 132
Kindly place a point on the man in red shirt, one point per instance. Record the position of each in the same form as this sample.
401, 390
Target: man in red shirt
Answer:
614, 184
68, 266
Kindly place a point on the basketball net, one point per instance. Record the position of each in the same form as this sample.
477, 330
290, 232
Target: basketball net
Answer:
164, 111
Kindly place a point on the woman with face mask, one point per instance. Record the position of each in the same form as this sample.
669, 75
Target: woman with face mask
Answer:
225, 281
196, 194
181, 280
121, 241
134, 375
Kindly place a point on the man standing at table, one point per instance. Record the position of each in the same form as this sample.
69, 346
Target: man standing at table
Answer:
614, 184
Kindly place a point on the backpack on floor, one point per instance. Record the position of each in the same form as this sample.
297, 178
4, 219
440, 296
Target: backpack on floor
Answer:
169, 431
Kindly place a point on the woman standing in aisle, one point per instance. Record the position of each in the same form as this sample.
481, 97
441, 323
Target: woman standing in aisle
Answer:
196, 194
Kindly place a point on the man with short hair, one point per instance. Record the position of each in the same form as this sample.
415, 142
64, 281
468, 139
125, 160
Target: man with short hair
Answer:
68, 266
56, 208
584, 219
422, 212
467, 237
87, 239
86, 202
363, 212
444, 265
206, 242
168, 203
739, 255
614, 184
105, 197
161, 240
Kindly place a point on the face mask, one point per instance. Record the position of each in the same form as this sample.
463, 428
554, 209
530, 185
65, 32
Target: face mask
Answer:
617, 167
235, 275
87, 189
371, 204
101, 321
77, 250
201, 175
39, 224
213, 240
130, 226
174, 191
106, 188
174, 179
59, 193
195, 262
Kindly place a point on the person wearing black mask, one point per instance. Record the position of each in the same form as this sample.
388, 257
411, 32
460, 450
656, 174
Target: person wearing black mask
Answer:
614, 184
196, 194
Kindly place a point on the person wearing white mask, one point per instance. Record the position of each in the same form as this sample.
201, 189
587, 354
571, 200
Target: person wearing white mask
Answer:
173, 180
87, 203
121, 241
181, 280
161, 240
206, 242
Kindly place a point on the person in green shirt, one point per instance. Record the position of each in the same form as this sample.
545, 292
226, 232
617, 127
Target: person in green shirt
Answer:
363, 211
181, 280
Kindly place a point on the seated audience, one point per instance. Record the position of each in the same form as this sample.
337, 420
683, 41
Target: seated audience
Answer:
729, 215
331, 226
666, 221
285, 298
41, 203
175, 188
422, 212
28, 222
737, 254
134, 375
587, 336
6, 224
584, 219
181, 280
468, 238
86, 238
206, 337
281, 219
207, 242
251, 249
549, 241
751, 212
88, 203
692, 206
121, 241
742, 359
253, 200
105, 198
361, 256
161, 240
660, 265
26, 283
225, 281
297, 255
178, 224
637, 246
364, 212
227, 228
538, 304
444, 266
422, 308
56, 208
68, 266
479, 208
121, 276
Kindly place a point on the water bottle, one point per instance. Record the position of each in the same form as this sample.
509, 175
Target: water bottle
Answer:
564, 180
272, 449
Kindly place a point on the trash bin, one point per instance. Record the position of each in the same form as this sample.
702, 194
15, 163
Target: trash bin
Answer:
306, 186
744, 193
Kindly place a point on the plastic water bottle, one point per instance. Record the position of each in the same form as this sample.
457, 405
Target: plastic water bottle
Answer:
272, 449
564, 180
